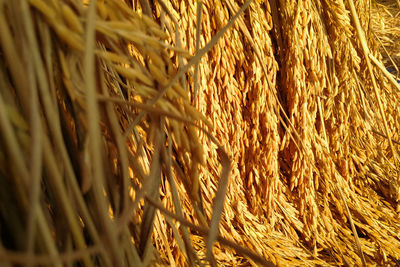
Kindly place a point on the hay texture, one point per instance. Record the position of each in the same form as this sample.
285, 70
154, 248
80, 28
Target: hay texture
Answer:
195, 133
386, 28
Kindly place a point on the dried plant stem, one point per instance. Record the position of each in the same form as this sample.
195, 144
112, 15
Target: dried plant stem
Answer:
151, 187
388, 55
321, 117
366, 52
122, 149
219, 201
95, 139
277, 25
47, 260
199, 12
50, 111
145, 7
76, 76
36, 133
193, 61
385, 72
385, 136
12, 146
222, 186
167, 156
130, 249
11, 55
205, 232
177, 38
54, 125
158, 111
353, 228
21, 171
57, 183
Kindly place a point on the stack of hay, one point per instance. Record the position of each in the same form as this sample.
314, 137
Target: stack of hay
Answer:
180, 132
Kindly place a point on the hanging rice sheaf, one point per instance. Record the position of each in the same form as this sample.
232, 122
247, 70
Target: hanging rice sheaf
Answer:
196, 133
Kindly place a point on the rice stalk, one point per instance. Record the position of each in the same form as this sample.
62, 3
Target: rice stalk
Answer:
251, 126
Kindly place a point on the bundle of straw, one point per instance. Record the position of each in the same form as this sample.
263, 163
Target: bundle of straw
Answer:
304, 114
222, 132
91, 116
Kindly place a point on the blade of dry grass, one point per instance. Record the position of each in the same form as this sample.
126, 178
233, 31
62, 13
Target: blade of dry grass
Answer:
22, 179
94, 137
177, 37
63, 95
56, 181
205, 232
364, 44
14, 150
385, 72
219, 201
388, 55
54, 123
158, 111
45, 259
199, 12
222, 187
353, 228
145, 7
385, 136
22, 172
130, 249
36, 134
151, 187
188, 248
160, 225
122, 149
193, 61
11, 55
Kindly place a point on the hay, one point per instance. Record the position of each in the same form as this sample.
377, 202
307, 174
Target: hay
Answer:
132, 135
385, 25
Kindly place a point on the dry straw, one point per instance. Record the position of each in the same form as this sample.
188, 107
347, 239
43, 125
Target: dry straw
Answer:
224, 132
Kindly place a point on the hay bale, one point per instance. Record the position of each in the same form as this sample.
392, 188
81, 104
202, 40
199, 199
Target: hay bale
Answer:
273, 149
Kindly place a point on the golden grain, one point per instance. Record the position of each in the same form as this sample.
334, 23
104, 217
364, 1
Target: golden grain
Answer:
71, 19
71, 38
283, 92
133, 74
